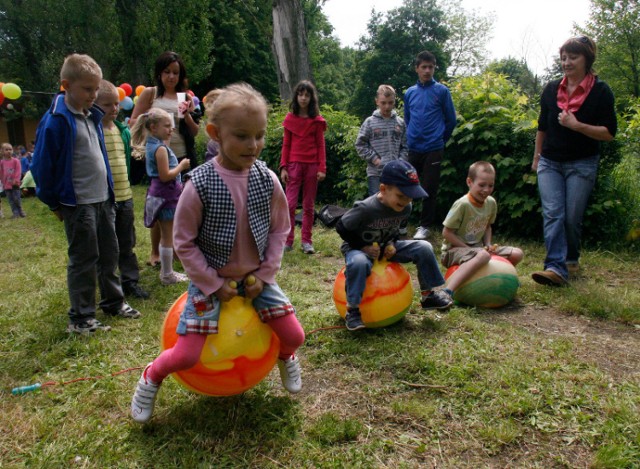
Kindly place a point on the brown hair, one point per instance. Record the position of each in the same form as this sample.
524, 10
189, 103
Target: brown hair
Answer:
478, 166
582, 45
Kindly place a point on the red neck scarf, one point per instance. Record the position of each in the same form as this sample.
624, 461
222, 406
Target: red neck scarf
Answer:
572, 103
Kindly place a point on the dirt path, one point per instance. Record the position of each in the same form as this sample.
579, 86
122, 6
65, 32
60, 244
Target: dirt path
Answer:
614, 348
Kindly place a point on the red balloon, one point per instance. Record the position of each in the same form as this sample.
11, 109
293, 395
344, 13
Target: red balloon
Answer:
1, 97
127, 88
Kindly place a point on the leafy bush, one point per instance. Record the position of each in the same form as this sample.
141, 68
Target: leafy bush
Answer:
346, 174
614, 213
495, 124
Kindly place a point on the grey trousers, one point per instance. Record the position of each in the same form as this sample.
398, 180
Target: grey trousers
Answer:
93, 256
126, 234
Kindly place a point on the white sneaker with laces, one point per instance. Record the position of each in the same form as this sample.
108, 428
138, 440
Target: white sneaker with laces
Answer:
421, 233
144, 398
173, 278
290, 374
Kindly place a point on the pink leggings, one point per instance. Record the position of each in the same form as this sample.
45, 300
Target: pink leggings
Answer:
186, 352
305, 176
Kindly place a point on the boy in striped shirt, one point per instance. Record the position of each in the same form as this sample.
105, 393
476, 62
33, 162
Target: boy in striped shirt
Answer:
117, 138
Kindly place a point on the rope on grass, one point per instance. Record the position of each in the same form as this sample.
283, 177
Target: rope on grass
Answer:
36, 386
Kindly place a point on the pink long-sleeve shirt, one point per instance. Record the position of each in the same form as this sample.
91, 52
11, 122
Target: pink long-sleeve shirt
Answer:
303, 141
10, 171
244, 257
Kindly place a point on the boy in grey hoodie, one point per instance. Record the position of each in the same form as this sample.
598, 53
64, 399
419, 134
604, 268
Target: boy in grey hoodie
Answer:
382, 137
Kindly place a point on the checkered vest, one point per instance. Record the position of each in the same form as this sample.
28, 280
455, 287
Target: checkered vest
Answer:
218, 230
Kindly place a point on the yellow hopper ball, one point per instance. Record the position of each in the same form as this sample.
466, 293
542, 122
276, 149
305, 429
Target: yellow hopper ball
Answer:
236, 359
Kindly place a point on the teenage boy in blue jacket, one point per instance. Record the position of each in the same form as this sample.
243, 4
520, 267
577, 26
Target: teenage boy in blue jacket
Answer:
430, 118
73, 178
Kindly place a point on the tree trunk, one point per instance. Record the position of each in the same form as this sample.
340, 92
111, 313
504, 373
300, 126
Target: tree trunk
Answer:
290, 46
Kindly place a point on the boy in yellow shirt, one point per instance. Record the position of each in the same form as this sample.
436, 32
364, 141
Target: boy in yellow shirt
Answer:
117, 138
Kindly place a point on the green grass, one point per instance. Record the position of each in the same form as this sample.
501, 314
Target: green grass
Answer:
550, 381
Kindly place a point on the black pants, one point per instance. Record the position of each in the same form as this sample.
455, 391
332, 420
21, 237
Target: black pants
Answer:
428, 168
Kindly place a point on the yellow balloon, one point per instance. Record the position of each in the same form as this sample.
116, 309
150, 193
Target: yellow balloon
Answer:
135, 100
11, 91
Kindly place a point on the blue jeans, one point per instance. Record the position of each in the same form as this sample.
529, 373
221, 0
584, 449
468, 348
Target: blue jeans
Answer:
373, 184
564, 192
417, 251
271, 303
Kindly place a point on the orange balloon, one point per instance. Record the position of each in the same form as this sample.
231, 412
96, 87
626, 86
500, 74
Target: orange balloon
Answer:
236, 359
121, 93
139, 89
387, 296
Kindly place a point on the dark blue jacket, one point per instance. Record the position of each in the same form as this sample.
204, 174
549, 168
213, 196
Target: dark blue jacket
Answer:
429, 115
53, 154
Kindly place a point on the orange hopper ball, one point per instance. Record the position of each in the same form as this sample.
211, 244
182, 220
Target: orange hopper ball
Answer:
236, 359
387, 296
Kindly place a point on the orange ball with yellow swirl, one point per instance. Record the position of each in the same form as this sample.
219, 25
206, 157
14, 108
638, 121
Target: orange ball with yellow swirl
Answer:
236, 359
387, 296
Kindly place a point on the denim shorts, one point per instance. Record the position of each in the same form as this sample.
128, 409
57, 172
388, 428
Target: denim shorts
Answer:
202, 313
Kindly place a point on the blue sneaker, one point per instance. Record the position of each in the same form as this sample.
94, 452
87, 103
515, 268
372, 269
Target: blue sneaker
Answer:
437, 300
354, 320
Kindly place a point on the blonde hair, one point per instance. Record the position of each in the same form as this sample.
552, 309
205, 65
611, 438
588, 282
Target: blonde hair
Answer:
478, 166
76, 66
210, 98
235, 95
142, 127
386, 90
106, 88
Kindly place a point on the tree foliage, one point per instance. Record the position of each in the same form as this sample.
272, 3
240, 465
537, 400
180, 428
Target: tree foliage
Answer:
615, 26
125, 36
391, 45
518, 73
469, 32
332, 65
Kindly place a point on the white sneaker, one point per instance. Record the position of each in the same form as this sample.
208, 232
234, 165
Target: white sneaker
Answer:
421, 233
173, 278
144, 398
290, 374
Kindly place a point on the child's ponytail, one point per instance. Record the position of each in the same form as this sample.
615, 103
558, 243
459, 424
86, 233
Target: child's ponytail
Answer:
140, 130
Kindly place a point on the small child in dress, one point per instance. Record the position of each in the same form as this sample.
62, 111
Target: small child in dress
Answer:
154, 128
10, 172
382, 137
371, 229
303, 160
232, 221
467, 228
